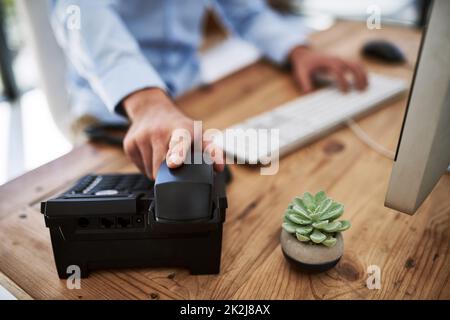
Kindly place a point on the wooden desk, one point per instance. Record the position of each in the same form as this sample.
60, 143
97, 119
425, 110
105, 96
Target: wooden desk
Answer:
412, 252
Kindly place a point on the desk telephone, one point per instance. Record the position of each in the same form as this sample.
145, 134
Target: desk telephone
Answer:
127, 220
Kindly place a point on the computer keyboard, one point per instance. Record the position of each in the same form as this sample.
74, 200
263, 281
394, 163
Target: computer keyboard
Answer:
309, 117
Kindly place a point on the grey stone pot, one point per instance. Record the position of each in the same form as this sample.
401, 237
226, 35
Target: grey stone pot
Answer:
311, 257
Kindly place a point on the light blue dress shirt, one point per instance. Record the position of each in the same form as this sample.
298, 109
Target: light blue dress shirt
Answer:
118, 46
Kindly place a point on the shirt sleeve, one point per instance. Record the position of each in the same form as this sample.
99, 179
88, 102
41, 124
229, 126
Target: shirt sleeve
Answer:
254, 21
102, 50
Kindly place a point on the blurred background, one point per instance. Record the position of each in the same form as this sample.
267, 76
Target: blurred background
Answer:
33, 130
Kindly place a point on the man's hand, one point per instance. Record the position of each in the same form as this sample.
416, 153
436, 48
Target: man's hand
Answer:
152, 137
306, 63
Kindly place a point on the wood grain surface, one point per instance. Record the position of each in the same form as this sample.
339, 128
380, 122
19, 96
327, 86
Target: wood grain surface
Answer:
411, 252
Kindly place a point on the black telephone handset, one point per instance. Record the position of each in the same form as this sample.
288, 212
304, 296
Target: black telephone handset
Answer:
127, 220
184, 193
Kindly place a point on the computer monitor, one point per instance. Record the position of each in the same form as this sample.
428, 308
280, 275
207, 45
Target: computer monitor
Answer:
423, 152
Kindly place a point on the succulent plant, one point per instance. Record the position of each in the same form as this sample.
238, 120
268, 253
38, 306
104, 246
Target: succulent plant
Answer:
313, 219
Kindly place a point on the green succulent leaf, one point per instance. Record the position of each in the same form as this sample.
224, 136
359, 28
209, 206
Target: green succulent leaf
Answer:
299, 203
289, 227
332, 226
324, 206
290, 211
335, 211
329, 241
301, 212
315, 217
320, 197
304, 230
320, 224
317, 236
345, 224
309, 201
302, 238
295, 218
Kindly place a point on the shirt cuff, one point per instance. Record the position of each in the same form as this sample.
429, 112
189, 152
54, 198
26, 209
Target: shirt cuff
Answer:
123, 79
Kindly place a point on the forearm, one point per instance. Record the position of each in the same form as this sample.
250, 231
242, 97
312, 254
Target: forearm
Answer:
143, 101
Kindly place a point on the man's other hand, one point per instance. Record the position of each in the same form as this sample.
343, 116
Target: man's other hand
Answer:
154, 135
306, 62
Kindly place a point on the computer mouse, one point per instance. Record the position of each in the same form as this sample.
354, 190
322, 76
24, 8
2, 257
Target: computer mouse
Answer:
384, 51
